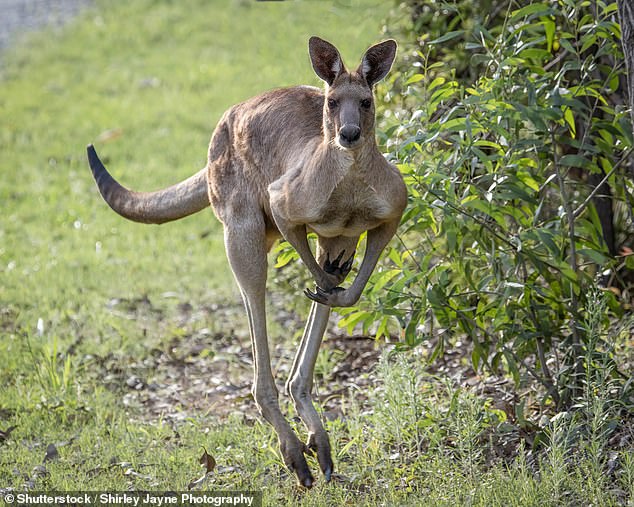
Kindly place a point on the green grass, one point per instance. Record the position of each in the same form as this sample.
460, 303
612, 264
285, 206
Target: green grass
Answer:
88, 299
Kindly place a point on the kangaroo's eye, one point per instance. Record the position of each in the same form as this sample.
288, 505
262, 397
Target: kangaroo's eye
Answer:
332, 103
366, 103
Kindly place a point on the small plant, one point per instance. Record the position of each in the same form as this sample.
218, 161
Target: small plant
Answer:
418, 414
401, 408
54, 371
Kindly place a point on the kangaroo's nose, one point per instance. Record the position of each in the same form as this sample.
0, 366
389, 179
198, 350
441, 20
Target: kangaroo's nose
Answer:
349, 134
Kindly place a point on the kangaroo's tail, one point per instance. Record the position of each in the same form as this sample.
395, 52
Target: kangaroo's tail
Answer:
178, 201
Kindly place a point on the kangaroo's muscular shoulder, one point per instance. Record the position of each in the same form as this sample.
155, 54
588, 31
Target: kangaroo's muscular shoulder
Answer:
268, 128
258, 140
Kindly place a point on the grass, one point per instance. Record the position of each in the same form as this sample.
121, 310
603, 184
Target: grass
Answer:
88, 301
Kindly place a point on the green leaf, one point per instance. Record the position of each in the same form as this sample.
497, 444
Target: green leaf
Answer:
547, 238
384, 277
593, 255
512, 365
626, 128
565, 43
447, 37
569, 118
587, 41
549, 30
528, 180
536, 54
436, 82
531, 10
351, 320
286, 255
476, 355
414, 79
574, 161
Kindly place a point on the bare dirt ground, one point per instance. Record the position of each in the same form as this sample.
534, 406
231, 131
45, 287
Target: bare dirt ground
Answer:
212, 372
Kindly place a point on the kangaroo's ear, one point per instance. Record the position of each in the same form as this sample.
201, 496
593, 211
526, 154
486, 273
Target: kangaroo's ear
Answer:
326, 59
377, 61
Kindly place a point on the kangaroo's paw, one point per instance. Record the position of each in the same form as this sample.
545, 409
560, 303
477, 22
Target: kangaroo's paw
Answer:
336, 297
320, 295
338, 268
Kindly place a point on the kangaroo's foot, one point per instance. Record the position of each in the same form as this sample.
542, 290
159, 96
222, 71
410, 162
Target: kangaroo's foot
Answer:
337, 269
320, 444
293, 451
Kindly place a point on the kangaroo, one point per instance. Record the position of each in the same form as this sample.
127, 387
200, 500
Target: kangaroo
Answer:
283, 164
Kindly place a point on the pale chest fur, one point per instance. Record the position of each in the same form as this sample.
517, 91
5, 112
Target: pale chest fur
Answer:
354, 206
333, 194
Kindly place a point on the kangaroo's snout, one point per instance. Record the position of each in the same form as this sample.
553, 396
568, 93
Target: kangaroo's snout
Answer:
349, 134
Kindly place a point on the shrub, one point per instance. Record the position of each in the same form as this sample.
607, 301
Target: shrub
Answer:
511, 159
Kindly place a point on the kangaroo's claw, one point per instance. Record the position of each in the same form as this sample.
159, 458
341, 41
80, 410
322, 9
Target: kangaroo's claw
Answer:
320, 295
328, 298
335, 267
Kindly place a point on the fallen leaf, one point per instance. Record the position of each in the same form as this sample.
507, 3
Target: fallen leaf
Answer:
130, 472
109, 135
39, 471
208, 461
135, 382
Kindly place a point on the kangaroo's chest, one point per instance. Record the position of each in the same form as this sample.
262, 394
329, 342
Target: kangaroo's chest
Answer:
352, 208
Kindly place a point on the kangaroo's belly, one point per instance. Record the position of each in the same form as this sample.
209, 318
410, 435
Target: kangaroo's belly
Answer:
351, 219
338, 228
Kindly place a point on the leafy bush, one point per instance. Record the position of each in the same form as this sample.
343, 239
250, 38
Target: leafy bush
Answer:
508, 158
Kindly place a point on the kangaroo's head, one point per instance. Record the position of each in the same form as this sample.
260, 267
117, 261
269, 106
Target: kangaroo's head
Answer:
349, 103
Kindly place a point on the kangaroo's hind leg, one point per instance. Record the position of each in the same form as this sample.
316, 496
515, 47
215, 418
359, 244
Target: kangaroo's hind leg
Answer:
246, 246
335, 256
